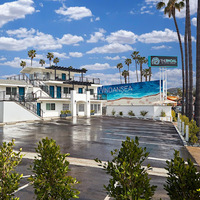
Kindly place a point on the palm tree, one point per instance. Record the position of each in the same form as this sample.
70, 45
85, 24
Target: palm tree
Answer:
50, 56
56, 60
141, 61
145, 73
120, 66
23, 64
41, 62
150, 73
135, 56
190, 60
125, 73
128, 62
170, 9
197, 101
32, 54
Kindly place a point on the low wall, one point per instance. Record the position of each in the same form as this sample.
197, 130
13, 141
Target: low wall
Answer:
153, 111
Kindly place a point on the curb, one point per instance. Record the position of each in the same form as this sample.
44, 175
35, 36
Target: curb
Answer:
180, 135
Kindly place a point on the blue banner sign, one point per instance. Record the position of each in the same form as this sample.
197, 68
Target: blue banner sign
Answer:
130, 90
163, 61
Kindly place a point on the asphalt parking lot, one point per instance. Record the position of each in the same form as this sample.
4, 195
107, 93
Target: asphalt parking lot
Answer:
87, 139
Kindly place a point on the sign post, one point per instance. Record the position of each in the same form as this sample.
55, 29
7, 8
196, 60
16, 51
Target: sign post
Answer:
163, 62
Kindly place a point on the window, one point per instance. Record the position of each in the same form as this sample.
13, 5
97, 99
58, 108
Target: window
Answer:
11, 90
81, 107
67, 90
99, 107
91, 91
80, 90
66, 107
50, 106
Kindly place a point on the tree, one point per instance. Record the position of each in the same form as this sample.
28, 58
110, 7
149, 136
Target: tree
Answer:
145, 73
9, 178
23, 64
50, 56
120, 66
129, 180
135, 56
125, 73
128, 62
170, 9
56, 60
141, 61
32, 54
42, 62
50, 170
197, 101
183, 181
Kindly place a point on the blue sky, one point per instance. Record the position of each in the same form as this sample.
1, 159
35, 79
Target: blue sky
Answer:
94, 34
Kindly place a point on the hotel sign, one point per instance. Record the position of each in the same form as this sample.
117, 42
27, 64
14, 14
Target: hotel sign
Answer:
162, 61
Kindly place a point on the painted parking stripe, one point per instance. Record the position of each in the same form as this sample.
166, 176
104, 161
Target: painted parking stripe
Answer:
21, 188
163, 144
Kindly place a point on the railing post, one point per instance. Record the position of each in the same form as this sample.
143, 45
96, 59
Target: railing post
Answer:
182, 128
187, 133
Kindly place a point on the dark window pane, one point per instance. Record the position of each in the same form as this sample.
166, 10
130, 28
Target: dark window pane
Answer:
8, 90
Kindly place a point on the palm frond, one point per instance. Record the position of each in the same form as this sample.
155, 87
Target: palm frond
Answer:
160, 5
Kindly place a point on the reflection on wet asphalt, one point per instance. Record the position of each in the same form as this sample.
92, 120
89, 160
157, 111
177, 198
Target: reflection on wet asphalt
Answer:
96, 137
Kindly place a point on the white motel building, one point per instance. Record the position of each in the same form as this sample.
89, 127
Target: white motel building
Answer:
39, 93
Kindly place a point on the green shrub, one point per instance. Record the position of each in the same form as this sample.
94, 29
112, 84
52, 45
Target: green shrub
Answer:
163, 114
131, 113
9, 178
174, 116
183, 181
50, 169
92, 111
143, 112
121, 113
113, 112
67, 112
129, 180
193, 131
62, 112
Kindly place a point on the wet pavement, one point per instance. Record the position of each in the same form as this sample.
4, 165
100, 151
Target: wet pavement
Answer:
95, 138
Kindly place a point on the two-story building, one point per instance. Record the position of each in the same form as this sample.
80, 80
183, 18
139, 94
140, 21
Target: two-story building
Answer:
45, 92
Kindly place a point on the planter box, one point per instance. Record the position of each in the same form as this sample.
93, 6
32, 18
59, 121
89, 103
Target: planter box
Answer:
91, 113
63, 115
68, 115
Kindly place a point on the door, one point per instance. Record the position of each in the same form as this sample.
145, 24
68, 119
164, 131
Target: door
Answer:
64, 77
51, 88
39, 109
58, 92
21, 93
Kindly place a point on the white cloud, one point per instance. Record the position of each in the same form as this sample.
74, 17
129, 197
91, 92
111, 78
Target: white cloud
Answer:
35, 39
97, 19
111, 48
159, 36
60, 55
94, 38
76, 54
160, 47
96, 66
74, 13
2, 58
122, 37
11, 11
112, 58
194, 21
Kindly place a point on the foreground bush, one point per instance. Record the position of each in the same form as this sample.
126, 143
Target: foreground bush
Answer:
51, 180
183, 182
9, 179
129, 179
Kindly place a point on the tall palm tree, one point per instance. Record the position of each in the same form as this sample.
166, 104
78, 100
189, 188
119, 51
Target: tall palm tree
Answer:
150, 73
128, 62
186, 69
145, 73
41, 62
125, 73
135, 56
56, 60
50, 56
197, 101
141, 61
170, 9
32, 54
190, 60
120, 66
23, 64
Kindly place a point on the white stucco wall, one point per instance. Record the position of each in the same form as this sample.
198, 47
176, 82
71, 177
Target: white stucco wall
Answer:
153, 111
13, 112
1, 111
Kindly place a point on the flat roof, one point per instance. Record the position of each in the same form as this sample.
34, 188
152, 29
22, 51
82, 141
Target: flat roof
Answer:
11, 82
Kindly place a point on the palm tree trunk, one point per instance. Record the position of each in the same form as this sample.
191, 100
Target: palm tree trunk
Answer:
186, 67
149, 73
128, 75
197, 102
140, 72
120, 76
190, 63
182, 61
136, 70
31, 61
